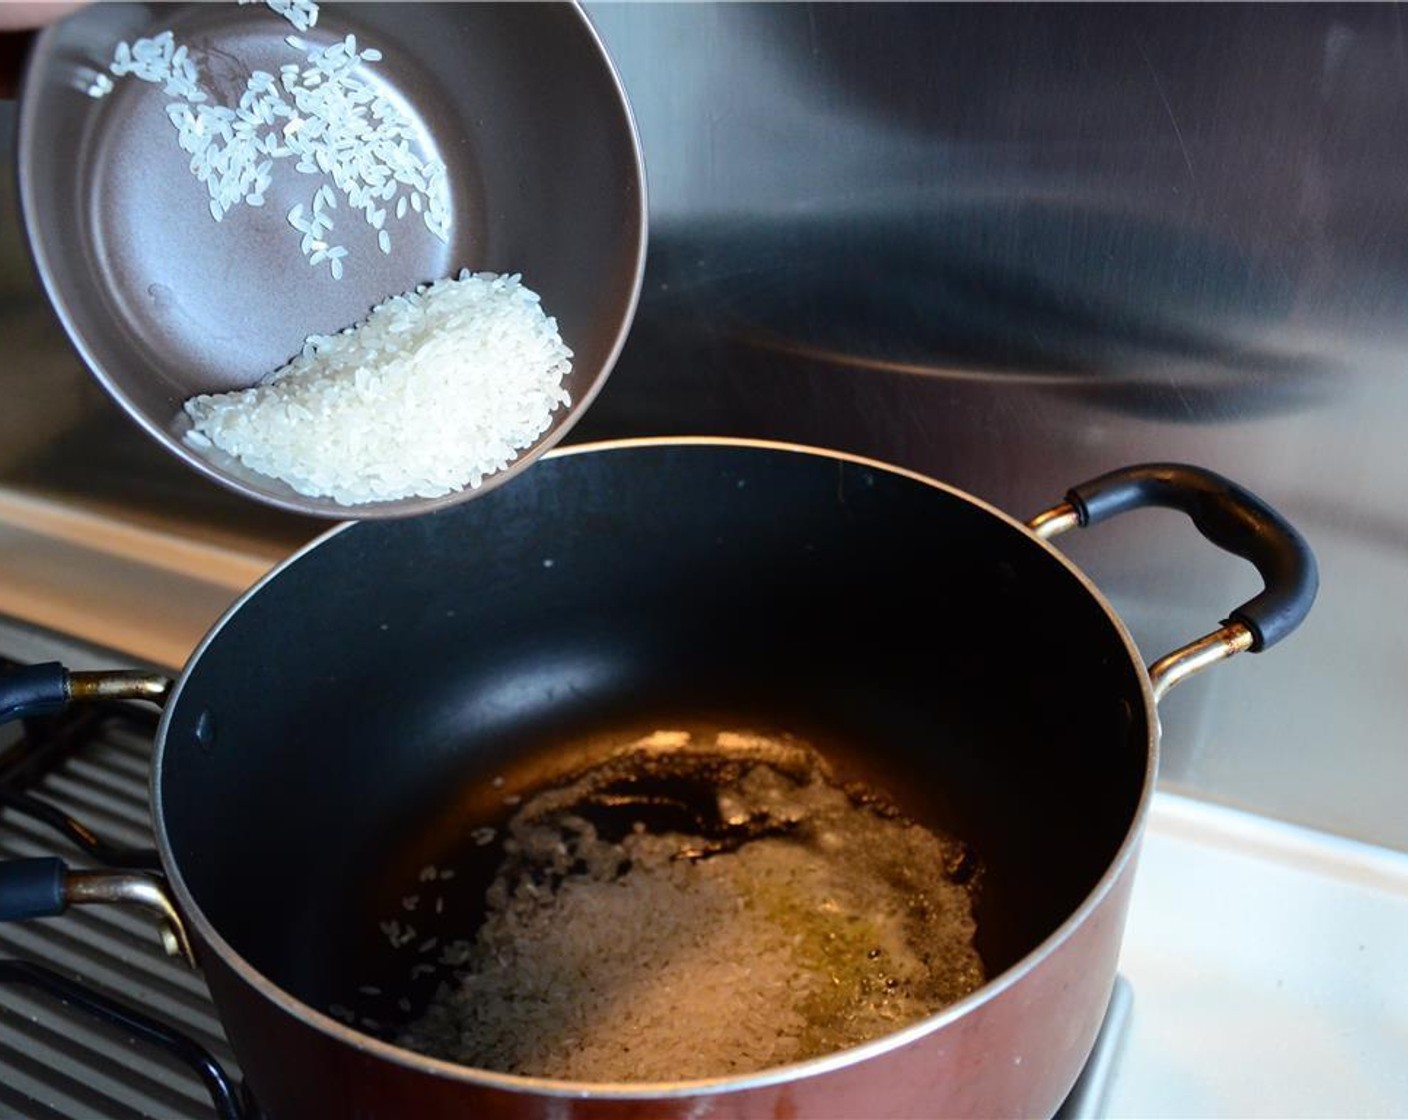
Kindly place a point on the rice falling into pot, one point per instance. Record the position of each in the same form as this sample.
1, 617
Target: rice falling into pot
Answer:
434, 391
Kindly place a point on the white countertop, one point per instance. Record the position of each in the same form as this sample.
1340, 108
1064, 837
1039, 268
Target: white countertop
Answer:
1269, 963
1270, 971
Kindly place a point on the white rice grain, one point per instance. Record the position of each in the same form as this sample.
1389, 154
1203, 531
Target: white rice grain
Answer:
303, 14
322, 117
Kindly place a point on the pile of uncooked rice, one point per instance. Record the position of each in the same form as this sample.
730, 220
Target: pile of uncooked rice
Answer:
435, 390
664, 956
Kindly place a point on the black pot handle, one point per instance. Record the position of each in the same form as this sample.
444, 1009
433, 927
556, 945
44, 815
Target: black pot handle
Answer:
1231, 517
32, 888
33, 690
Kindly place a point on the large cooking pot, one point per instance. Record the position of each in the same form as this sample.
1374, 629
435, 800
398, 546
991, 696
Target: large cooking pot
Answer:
366, 707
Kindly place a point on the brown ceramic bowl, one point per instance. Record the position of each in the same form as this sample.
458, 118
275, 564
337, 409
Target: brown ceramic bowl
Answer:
520, 101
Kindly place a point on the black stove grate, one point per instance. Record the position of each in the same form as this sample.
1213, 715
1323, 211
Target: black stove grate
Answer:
56, 1063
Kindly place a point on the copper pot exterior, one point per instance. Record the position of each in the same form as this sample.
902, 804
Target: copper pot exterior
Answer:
1016, 1052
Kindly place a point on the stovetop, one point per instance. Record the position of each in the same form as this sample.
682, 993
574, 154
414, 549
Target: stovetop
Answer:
59, 1063
93, 764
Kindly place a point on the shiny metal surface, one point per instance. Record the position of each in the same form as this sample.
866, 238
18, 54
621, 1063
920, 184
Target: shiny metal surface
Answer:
1015, 245
89, 888
520, 103
1211, 649
1009, 246
126, 685
1051, 523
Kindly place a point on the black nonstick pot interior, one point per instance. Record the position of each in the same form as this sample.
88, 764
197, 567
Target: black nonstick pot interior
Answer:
361, 714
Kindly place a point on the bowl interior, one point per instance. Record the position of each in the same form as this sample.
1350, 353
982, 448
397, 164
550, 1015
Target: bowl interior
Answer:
518, 100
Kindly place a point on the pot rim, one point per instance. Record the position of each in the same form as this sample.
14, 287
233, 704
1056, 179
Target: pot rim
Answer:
209, 937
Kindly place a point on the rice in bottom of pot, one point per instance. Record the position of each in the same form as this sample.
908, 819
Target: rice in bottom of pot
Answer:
664, 956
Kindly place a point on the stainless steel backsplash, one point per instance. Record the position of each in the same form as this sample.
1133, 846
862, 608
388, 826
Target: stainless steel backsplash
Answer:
1012, 247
